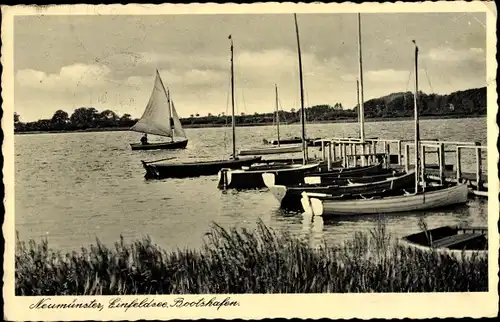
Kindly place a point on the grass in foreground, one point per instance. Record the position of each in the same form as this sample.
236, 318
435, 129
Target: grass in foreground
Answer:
243, 261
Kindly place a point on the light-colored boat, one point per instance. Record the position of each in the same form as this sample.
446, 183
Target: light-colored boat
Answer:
462, 242
320, 204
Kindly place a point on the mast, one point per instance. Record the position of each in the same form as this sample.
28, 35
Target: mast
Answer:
232, 98
277, 114
171, 120
360, 95
303, 116
357, 95
417, 130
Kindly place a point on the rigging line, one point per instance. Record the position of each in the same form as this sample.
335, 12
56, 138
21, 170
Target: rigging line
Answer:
427, 76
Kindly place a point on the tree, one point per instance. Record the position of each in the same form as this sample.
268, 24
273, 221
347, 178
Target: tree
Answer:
84, 117
17, 118
108, 118
60, 119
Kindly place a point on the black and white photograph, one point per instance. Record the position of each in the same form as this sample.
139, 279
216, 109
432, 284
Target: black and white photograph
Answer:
204, 160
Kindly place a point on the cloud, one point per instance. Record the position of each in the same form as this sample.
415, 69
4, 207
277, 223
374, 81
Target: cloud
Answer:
380, 76
69, 78
447, 54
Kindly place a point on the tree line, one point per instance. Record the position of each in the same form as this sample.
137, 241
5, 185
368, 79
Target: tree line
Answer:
466, 103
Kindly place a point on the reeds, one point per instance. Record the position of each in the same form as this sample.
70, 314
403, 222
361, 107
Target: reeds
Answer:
243, 261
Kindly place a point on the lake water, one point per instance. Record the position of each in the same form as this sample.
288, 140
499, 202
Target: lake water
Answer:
74, 187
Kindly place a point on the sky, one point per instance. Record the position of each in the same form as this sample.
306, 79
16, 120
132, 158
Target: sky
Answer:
108, 62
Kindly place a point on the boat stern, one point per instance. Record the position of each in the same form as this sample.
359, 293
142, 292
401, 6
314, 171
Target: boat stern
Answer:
306, 204
279, 192
224, 178
269, 179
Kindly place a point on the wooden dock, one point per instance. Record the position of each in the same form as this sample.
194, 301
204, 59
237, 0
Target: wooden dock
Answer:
450, 158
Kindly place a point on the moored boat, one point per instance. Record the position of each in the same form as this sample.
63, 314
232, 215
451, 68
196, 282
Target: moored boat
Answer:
194, 169
459, 241
271, 150
160, 118
251, 177
289, 197
328, 176
328, 205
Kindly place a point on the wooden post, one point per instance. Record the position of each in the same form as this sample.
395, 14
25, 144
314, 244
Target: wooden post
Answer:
363, 153
399, 152
458, 164
344, 151
441, 163
407, 158
478, 165
323, 152
329, 156
333, 147
422, 165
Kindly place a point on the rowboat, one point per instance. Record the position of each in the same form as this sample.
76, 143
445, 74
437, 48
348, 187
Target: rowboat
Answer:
458, 241
289, 197
321, 204
344, 179
160, 118
194, 169
328, 176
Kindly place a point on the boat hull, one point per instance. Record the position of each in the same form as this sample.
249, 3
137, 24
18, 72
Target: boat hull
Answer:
162, 145
290, 197
319, 205
194, 169
325, 176
271, 150
310, 142
461, 242
252, 178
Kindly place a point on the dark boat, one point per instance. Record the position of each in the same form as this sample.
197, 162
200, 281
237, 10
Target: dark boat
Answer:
251, 177
194, 169
329, 176
160, 118
162, 145
451, 240
289, 197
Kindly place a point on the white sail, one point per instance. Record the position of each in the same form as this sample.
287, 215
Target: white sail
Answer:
156, 117
178, 130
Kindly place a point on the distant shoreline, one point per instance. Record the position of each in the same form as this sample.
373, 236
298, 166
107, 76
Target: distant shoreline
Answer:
195, 126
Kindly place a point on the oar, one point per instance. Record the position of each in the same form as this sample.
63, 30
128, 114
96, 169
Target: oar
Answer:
146, 162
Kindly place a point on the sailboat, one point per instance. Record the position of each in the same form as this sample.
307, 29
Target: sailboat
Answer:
156, 170
251, 177
274, 149
160, 118
421, 198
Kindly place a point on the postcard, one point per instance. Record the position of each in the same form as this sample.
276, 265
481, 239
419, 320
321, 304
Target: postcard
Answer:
268, 160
